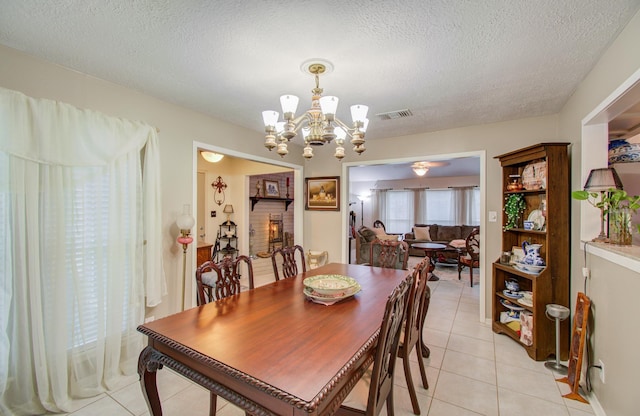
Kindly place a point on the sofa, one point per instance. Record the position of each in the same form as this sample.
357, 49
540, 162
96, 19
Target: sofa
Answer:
434, 233
364, 236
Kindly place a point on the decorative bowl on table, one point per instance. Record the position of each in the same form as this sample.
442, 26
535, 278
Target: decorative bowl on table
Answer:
330, 284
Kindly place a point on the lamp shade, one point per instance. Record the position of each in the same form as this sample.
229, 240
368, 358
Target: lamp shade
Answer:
211, 157
185, 221
603, 180
359, 112
228, 209
270, 118
420, 171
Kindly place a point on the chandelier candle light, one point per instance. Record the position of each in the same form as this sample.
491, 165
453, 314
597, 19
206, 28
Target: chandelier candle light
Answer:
319, 124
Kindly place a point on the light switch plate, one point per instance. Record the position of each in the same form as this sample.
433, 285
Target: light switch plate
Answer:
493, 216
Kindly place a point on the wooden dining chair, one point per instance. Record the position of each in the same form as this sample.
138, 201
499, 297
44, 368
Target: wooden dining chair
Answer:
471, 258
217, 281
288, 265
220, 280
390, 254
375, 388
417, 306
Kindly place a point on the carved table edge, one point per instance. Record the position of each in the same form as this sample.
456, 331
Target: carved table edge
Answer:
152, 360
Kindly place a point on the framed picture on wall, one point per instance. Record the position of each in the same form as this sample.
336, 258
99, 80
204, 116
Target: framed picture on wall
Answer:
271, 189
322, 193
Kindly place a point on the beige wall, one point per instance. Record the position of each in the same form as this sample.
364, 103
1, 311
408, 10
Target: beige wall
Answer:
180, 127
611, 288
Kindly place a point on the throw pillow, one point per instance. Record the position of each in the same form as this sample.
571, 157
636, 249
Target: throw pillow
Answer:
421, 233
379, 231
458, 243
367, 233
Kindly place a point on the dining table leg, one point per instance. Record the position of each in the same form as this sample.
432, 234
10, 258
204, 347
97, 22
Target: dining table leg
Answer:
432, 264
147, 370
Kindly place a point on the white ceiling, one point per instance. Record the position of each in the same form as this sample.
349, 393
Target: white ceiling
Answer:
464, 166
451, 63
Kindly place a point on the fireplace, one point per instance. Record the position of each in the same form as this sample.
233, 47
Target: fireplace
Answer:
275, 231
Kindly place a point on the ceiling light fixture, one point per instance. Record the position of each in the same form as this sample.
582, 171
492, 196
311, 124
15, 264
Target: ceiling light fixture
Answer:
211, 157
319, 124
420, 168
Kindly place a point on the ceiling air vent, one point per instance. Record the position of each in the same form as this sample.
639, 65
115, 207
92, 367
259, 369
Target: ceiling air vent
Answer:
391, 115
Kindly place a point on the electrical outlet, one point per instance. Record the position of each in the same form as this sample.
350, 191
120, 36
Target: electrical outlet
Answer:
601, 364
213, 214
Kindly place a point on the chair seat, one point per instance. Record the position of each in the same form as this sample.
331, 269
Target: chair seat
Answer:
469, 262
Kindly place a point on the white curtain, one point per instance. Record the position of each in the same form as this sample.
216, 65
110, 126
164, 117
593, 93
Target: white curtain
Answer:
420, 208
379, 205
465, 205
81, 249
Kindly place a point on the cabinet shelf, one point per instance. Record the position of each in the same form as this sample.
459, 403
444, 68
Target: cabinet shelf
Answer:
552, 284
523, 231
527, 191
256, 199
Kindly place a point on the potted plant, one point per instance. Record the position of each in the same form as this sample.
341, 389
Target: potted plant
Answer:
618, 206
514, 207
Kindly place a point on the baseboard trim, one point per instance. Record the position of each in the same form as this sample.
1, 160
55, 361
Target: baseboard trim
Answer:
595, 405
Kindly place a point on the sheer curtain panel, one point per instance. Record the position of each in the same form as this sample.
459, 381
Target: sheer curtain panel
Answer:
81, 250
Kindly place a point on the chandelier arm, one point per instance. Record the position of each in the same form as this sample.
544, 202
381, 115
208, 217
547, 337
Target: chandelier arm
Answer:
347, 129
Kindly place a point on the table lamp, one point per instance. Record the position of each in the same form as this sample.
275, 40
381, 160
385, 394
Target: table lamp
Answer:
228, 209
601, 180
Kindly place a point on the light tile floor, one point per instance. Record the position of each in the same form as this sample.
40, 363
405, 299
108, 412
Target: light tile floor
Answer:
471, 371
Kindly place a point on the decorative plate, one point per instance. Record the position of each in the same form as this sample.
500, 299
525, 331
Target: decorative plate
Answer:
512, 295
330, 299
537, 218
527, 268
510, 305
330, 284
534, 176
525, 302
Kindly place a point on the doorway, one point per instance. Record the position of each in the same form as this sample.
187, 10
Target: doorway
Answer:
351, 193
234, 171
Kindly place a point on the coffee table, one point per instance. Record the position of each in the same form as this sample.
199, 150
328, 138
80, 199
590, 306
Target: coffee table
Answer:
431, 250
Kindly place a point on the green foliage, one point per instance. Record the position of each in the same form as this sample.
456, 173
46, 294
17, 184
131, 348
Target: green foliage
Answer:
514, 207
609, 201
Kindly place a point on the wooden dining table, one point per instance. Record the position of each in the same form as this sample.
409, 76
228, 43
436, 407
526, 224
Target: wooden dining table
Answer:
270, 350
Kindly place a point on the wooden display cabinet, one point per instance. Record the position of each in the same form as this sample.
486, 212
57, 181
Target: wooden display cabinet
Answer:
551, 285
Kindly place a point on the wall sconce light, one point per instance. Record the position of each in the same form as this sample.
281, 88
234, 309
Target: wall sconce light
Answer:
185, 223
211, 157
228, 209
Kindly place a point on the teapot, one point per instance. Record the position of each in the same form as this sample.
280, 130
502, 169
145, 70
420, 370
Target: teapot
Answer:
532, 254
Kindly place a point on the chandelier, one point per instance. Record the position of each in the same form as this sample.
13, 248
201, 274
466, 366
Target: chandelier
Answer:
318, 125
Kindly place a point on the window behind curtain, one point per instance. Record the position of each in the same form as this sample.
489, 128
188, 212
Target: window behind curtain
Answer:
84, 254
400, 216
444, 208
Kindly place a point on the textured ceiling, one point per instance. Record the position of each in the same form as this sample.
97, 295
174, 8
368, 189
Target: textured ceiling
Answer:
452, 63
